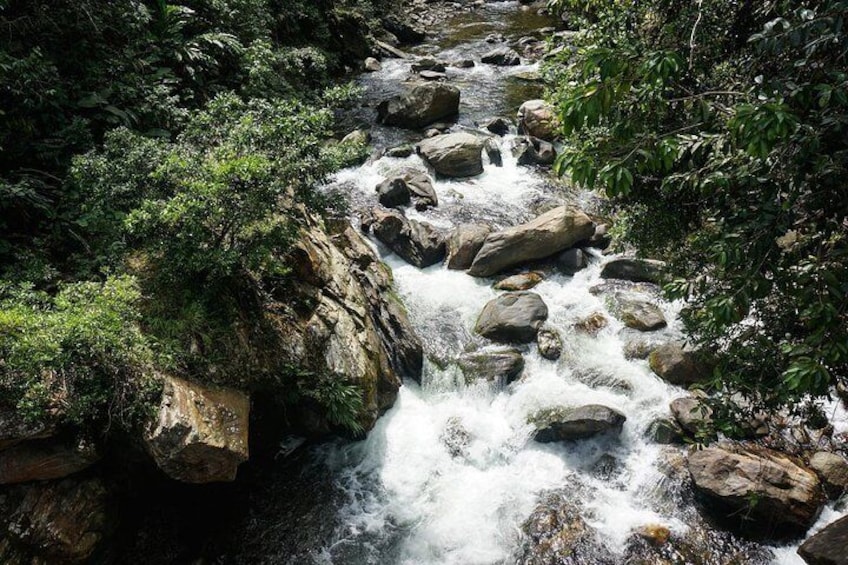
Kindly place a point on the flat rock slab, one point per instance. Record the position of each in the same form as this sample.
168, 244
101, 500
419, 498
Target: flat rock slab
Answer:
514, 317
759, 490
501, 367
568, 424
547, 235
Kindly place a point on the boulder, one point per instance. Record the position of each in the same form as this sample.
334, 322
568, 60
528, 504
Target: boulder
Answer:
534, 151
400, 152
46, 459
454, 155
571, 261
550, 343
498, 126
556, 534
502, 56
592, 324
388, 316
405, 31
827, 547
675, 365
536, 118
493, 152
568, 424
513, 317
542, 237
601, 238
691, 413
199, 434
500, 367
634, 270
393, 193
53, 522
358, 136
418, 243
638, 349
833, 471
372, 65
640, 315
522, 281
423, 105
428, 64
762, 491
463, 64
464, 243
665, 431
432, 75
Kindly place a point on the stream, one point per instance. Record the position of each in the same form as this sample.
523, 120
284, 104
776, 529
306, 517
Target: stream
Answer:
408, 497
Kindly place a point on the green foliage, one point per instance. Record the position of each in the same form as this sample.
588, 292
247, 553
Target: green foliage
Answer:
719, 131
78, 357
341, 401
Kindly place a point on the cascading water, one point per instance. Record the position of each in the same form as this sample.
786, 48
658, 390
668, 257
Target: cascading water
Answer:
450, 473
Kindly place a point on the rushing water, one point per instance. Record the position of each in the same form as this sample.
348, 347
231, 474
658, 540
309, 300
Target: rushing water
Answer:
410, 498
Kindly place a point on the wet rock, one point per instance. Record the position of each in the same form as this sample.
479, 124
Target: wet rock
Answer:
200, 432
827, 547
495, 38
493, 151
428, 64
675, 365
58, 522
568, 424
454, 155
634, 270
417, 243
45, 459
597, 378
432, 132
691, 413
464, 243
571, 261
536, 118
463, 64
422, 106
400, 152
550, 343
499, 367
393, 193
665, 431
432, 75
502, 57
542, 237
498, 126
405, 31
655, 534
522, 281
534, 151
514, 317
592, 324
556, 534
372, 65
409, 185
833, 471
640, 315
601, 238
759, 490
638, 349
455, 437
606, 467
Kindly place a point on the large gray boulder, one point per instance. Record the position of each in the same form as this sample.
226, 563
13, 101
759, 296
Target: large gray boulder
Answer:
418, 243
464, 244
542, 237
408, 186
568, 424
199, 433
536, 118
760, 490
423, 105
454, 155
534, 151
693, 414
827, 547
635, 270
514, 317
676, 365
500, 367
